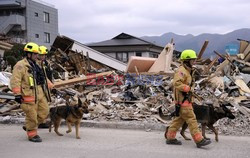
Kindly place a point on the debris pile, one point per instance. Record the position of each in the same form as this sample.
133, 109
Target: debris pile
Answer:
238, 126
146, 86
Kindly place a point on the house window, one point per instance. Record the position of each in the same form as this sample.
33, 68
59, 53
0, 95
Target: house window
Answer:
36, 14
37, 35
46, 17
154, 55
46, 37
123, 56
138, 54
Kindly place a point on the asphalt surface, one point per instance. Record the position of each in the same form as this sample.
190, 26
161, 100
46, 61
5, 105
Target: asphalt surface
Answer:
113, 143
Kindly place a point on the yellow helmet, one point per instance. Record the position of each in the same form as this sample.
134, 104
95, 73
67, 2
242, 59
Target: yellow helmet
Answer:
188, 54
31, 47
43, 50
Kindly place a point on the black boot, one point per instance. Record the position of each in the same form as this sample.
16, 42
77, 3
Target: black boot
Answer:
43, 125
35, 139
173, 142
203, 142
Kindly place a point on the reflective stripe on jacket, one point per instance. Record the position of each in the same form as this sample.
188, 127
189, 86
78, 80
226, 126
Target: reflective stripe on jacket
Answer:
19, 81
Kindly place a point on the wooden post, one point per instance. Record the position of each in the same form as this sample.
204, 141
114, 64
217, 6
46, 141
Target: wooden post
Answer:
84, 63
80, 79
136, 70
88, 61
202, 49
211, 64
243, 45
172, 41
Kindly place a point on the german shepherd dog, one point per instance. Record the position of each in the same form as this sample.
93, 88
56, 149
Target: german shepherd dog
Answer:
71, 114
206, 120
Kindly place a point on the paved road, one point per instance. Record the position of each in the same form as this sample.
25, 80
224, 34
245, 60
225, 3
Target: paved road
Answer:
113, 143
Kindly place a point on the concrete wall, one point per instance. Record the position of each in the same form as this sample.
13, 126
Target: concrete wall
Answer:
35, 27
36, 24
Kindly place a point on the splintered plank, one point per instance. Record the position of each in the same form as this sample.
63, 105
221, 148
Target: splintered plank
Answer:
80, 79
202, 49
8, 107
243, 45
247, 53
241, 109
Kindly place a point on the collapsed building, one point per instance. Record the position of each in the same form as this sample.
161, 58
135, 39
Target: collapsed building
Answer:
135, 91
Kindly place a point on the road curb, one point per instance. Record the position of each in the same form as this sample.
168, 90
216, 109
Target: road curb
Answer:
124, 125
132, 125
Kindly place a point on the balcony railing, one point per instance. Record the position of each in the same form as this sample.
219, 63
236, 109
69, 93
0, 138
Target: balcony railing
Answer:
9, 21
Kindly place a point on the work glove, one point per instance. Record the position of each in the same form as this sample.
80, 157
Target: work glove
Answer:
19, 99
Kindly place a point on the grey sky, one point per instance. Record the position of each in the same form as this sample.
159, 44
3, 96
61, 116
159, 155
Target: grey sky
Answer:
98, 20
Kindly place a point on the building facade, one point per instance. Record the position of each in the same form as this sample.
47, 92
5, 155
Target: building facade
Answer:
28, 21
123, 46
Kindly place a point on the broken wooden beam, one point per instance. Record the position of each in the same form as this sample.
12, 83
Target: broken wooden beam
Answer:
80, 79
136, 70
5, 46
88, 61
246, 51
227, 57
118, 100
242, 110
202, 49
211, 64
241, 61
8, 107
243, 45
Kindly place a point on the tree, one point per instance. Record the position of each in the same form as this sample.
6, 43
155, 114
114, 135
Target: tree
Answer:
14, 55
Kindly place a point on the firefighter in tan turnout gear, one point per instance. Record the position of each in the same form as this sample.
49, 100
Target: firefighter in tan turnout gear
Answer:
183, 100
42, 58
28, 84
45, 67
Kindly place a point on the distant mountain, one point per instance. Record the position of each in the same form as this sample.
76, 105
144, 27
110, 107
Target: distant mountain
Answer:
216, 41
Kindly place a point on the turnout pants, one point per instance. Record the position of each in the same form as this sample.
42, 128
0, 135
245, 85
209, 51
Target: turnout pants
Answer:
186, 115
36, 113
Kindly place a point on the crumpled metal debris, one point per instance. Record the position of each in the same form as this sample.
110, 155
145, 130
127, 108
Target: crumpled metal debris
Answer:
139, 96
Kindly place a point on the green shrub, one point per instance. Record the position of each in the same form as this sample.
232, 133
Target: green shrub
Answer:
14, 55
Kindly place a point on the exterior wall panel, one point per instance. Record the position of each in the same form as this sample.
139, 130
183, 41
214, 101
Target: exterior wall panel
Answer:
35, 27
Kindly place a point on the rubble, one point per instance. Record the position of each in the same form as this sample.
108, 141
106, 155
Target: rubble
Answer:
145, 86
